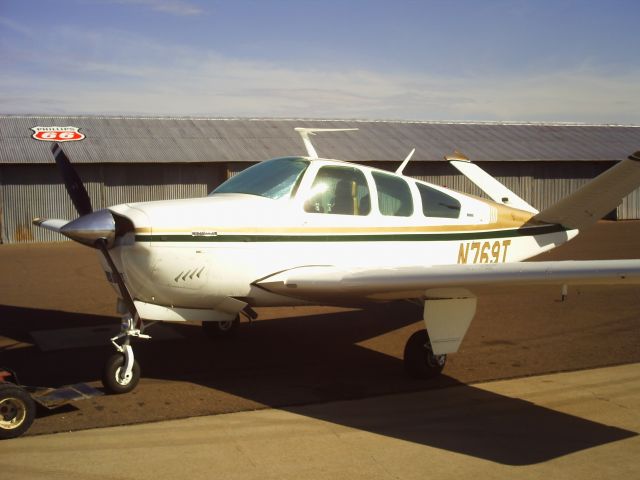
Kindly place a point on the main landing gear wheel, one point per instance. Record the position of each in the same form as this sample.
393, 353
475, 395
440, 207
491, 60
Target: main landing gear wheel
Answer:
419, 360
221, 329
113, 379
17, 411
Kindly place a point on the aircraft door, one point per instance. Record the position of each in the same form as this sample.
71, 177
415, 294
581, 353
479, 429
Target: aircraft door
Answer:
338, 190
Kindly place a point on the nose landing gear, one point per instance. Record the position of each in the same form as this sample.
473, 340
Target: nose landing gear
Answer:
121, 372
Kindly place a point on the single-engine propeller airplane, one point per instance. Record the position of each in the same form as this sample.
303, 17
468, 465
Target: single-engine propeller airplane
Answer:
306, 230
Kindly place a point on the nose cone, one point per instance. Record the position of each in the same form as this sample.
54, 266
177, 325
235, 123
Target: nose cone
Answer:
90, 228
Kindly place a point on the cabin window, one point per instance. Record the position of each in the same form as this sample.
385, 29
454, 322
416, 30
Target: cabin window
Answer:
438, 204
394, 195
339, 191
275, 179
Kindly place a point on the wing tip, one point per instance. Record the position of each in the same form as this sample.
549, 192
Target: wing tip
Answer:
457, 156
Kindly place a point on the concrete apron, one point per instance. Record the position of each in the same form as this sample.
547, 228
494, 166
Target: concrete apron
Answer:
570, 425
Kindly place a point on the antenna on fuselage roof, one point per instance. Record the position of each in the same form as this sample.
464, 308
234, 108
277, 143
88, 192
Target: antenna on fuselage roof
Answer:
305, 132
405, 161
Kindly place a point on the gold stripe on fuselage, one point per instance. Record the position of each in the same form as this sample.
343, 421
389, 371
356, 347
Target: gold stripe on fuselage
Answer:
507, 219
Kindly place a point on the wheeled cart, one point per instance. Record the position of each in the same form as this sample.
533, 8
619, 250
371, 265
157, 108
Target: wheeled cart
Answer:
18, 402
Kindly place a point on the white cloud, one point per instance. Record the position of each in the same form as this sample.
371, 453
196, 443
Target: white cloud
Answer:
123, 74
174, 7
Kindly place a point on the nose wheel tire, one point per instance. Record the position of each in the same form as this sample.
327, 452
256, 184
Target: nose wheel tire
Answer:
112, 378
419, 360
221, 329
17, 411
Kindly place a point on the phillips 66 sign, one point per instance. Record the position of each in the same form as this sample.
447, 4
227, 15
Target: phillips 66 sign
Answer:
57, 134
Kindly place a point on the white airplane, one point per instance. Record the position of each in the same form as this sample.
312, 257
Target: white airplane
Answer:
305, 230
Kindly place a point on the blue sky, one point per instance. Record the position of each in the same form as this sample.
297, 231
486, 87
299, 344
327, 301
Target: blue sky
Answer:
463, 60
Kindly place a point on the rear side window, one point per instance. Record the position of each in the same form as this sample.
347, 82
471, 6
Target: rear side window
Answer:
438, 204
394, 195
339, 191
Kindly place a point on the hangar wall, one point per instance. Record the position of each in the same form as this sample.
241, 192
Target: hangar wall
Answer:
630, 207
129, 159
30, 191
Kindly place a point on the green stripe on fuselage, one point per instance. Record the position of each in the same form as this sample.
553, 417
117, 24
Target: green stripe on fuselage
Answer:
356, 237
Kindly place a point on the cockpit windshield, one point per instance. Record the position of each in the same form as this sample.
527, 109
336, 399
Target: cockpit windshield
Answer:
277, 178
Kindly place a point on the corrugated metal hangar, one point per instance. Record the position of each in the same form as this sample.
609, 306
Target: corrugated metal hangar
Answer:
137, 159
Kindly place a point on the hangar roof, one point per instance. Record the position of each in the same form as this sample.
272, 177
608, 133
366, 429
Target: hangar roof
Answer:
171, 140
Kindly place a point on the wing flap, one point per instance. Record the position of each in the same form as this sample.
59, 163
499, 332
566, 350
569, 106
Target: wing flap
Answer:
328, 283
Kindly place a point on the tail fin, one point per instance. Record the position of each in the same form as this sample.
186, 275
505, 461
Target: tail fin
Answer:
489, 185
592, 201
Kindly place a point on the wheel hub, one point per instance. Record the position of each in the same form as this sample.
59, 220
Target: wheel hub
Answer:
436, 360
123, 380
225, 326
13, 411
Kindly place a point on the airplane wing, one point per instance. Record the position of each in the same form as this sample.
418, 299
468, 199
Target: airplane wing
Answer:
330, 283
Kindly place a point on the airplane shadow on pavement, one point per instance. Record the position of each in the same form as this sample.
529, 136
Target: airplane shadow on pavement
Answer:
471, 421
311, 366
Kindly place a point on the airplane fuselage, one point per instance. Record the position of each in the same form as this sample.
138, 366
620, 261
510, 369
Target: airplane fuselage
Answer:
194, 253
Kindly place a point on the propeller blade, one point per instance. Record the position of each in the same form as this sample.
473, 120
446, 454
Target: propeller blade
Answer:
124, 291
72, 181
53, 224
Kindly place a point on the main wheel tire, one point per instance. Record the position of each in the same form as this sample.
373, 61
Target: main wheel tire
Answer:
17, 411
419, 359
221, 329
111, 375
